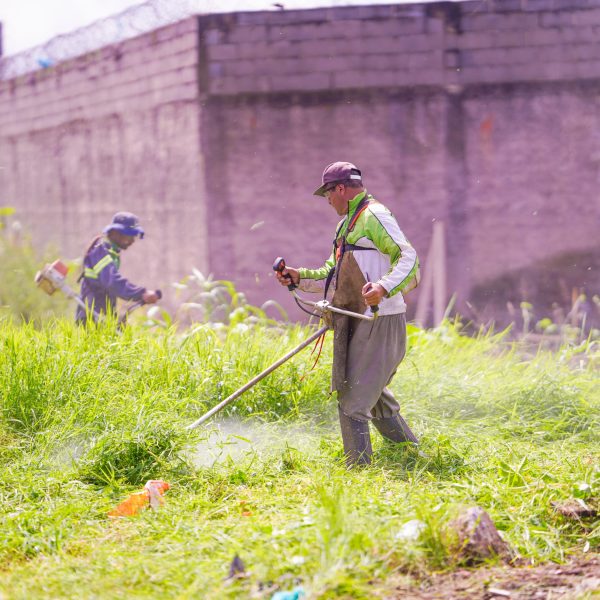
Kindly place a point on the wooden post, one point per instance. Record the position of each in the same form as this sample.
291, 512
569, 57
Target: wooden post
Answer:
426, 285
439, 273
434, 281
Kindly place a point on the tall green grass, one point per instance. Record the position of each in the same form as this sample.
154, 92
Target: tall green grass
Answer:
88, 415
19, 295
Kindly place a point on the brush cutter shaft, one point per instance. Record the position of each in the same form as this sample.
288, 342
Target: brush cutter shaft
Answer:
67, 291
256, 379
70, 293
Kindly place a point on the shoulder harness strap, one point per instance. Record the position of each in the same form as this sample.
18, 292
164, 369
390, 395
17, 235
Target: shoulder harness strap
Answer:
339, 243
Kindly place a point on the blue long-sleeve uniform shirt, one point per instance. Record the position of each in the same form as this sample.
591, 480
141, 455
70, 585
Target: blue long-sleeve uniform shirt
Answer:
102, 283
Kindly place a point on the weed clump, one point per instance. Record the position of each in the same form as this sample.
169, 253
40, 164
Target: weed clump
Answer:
153, 451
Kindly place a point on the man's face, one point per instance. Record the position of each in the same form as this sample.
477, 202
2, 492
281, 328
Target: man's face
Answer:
335, 197
120, 239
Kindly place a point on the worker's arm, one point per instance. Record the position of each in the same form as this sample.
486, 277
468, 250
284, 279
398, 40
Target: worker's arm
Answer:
385, 233
320, 273
313, 280
112, 281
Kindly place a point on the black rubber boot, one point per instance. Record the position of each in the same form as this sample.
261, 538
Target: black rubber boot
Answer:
357, 440
395, 429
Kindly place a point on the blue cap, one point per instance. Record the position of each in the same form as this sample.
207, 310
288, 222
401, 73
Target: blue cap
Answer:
127, 223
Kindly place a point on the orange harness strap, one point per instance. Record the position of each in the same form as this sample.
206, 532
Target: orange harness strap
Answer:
319, 344
341, 242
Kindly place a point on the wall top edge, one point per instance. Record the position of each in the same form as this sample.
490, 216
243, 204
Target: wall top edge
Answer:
385, 11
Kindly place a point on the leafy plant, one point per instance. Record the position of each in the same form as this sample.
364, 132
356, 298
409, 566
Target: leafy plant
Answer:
217, 301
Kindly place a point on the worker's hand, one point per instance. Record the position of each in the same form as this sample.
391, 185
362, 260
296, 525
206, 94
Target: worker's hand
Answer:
293, 273
373, 293
151, 296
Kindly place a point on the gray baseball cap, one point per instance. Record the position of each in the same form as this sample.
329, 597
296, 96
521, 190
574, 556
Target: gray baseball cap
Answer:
338, 171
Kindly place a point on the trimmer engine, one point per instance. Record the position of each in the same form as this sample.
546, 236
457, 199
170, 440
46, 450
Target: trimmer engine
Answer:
52, 277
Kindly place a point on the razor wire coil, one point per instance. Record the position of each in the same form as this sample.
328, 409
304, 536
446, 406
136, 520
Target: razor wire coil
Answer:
129, 23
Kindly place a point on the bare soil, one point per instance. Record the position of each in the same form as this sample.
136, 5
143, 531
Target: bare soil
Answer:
577, 579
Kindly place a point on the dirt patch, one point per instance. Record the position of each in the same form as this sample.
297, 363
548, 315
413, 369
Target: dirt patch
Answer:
577, 579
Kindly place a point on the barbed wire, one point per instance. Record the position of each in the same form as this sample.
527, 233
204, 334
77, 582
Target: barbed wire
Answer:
133, 21
140, 19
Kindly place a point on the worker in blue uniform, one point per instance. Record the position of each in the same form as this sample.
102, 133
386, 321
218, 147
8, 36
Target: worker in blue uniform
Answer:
101, 282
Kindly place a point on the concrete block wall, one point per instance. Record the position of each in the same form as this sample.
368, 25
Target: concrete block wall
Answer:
116, 129
534, 175
439, 44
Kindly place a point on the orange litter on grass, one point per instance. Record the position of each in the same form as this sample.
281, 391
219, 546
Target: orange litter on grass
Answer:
151, 496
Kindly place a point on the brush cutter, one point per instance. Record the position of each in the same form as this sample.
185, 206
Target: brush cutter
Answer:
323, 309
54, 277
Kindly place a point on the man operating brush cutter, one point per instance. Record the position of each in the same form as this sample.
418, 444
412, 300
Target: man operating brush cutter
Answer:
367, 347
371, 265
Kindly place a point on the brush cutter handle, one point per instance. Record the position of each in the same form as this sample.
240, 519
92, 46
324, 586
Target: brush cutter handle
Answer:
142, 303
278, 267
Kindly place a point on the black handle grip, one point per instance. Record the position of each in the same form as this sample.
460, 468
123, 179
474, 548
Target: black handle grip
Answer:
374, 309
278, 267
142, 303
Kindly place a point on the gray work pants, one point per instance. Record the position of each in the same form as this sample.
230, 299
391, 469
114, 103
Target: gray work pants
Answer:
374, 351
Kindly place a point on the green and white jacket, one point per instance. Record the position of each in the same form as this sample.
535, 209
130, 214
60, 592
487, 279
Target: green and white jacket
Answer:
391, 261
